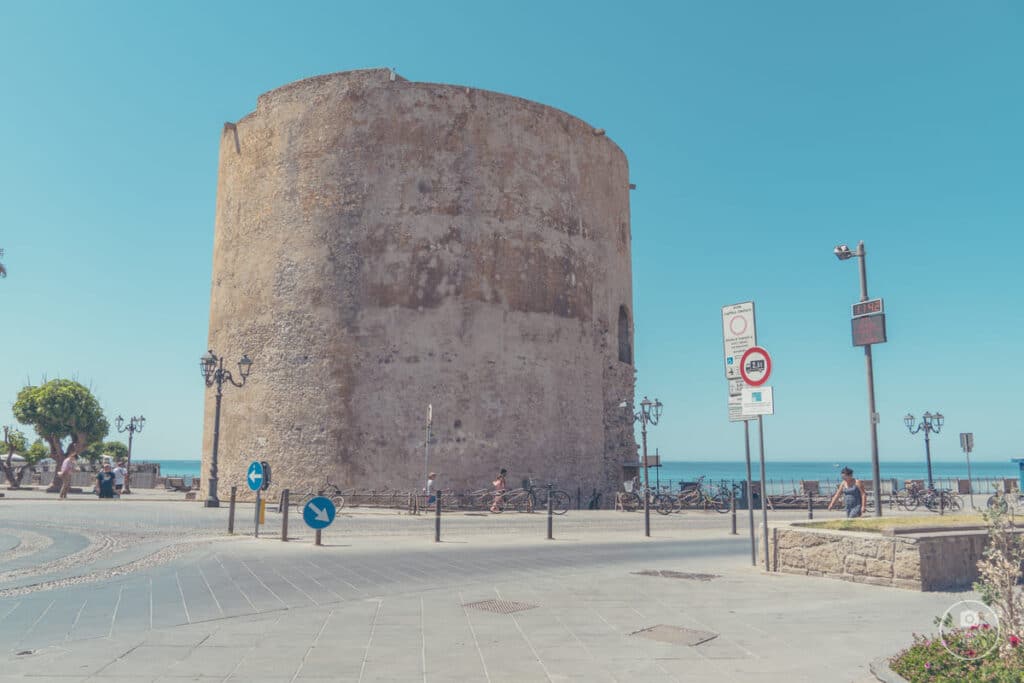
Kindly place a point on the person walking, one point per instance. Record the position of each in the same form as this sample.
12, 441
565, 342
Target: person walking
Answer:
119, 475
67, 468
500, 484
855, 496
105, 482
429, 489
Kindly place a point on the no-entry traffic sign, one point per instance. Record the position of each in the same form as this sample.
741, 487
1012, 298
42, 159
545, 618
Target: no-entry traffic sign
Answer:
755, 366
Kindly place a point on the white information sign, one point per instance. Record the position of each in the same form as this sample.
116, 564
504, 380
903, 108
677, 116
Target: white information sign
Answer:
738, 334
757, 401
736, 387
736, 410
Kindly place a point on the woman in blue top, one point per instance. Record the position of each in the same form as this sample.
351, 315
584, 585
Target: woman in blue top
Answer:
105, 482
855, 497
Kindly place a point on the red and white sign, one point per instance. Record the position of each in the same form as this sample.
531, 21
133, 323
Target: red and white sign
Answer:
755, 366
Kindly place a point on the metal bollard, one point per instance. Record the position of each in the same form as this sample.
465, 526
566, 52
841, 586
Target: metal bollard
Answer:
579, 498
284, 510
647, 513
732, 510
437, 517
316, 541
231, 510
551, 513
942, 505
810, 505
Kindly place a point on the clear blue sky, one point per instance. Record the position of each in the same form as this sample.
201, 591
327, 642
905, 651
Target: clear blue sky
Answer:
760, 135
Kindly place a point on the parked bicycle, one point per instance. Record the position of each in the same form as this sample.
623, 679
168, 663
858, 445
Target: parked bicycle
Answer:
696, 495
331, 491
934, 500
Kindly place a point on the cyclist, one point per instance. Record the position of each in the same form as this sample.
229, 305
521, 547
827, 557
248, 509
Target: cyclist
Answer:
500, 485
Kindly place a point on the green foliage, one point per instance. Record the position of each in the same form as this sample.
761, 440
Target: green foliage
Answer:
36, 452
14, 442
62, 411
115, 449
929, 661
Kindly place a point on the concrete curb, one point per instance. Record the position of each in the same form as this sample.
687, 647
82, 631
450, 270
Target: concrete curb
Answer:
881, 670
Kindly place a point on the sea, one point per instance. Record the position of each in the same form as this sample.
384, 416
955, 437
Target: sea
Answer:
780, 473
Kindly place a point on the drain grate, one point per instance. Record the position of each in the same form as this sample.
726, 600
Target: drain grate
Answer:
669, 574
675, 635
500, 606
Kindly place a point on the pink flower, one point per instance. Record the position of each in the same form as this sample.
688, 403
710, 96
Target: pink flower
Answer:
974, 627
927, 666
1014, 641
985, 627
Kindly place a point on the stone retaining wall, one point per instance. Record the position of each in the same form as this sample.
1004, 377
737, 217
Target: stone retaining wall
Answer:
924, 561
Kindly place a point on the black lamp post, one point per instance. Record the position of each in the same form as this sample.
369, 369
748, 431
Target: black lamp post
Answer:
929, 423
215, 375
650, 412
134, 425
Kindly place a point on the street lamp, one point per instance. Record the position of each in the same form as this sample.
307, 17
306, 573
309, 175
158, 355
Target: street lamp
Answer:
134, 425
214, 374
650, 412
929, 423
844, 253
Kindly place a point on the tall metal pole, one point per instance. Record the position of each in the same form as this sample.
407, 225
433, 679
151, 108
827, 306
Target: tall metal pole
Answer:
970, 482
750, 496
875, 469
426, 444
128, 467
657, 472
211, 499
647, 493
928, 453
764, 495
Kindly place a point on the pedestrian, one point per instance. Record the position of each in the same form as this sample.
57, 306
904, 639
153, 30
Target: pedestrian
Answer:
119, 475
500, 485
430, 488
66, 469
105, 482
855, 497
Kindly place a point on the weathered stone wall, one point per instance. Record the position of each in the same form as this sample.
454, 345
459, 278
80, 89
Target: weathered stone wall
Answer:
381, 245
930, 561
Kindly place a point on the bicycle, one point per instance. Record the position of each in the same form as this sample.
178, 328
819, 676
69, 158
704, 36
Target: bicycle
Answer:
696, 495
537, 499
1006, 502
330, 491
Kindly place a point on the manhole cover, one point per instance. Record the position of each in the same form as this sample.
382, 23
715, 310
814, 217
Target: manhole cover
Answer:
669, 574
676, 635
500, 606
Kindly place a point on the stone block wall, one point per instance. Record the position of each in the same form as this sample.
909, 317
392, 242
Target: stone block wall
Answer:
935, 561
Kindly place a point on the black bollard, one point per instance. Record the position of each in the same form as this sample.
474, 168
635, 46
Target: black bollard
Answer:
231, 510
647, 513
942, 504
284, 511
810, 505
316, 541
437, 517
732, 510
551, 513
579, 499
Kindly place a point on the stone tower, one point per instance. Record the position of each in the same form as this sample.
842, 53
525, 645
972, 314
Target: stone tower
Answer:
382, 245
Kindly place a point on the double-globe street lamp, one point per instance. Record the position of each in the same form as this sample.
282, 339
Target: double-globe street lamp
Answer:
650, 412
844, 253
214, 373
134, 425
929, 423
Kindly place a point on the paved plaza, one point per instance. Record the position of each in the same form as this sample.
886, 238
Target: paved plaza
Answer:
150, 589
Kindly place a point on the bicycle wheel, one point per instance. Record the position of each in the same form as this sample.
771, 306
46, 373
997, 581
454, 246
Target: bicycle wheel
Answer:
560, 502
911, 502
526, 502
664, 505
997, 502
339, 503
956, 503
723, 503
630, 502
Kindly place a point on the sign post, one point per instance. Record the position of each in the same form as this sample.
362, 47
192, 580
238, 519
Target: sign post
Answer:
254, 479
757, 399
739, 333
318, 514
967, 444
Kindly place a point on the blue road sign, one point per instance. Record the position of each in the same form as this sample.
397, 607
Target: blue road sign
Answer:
254, 477
319, 513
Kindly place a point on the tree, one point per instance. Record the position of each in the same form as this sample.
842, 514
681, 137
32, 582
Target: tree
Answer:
36, 452
14, 442
65, 415
115, 450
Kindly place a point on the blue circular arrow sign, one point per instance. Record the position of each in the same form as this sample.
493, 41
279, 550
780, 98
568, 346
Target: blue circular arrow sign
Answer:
318, 513
254, 477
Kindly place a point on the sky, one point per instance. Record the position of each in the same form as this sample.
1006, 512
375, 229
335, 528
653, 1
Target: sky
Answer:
759, 135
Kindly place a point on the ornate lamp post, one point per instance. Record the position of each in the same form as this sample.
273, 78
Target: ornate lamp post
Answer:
134, 425
650, 412
929, 423
214, 373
